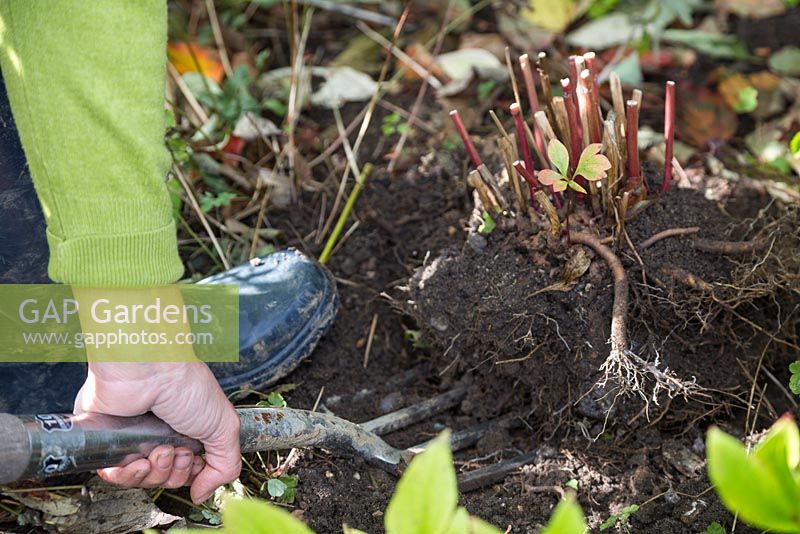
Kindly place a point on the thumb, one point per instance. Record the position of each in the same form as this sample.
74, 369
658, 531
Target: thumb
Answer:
223, 462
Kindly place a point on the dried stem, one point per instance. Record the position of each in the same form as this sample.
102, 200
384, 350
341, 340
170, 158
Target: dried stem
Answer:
618, 100
669, 134
533, 102
587, 100
551, 212
484, 193
462, 132
574, 123
562, 120
522, 140
591, 64
631, 137
507, 149
544, 126
529, 178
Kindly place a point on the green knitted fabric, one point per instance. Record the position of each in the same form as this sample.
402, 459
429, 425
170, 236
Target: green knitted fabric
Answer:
86, 85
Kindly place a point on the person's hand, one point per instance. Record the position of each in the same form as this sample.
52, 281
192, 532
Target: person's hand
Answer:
188, 398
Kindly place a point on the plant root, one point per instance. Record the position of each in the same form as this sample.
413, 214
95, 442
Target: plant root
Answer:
655, 238
619, 313
630, 371
729, 247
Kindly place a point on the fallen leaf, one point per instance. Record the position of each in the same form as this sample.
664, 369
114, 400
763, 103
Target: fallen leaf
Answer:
464, 63
195, 58
343, 84
755, 9
576, 266
424, 59
251, 126
553, 15
738, 93
361, 53
629, 70
770, 97
491, 42
702, 116
612, 30
280, 193
522, 33
786, 61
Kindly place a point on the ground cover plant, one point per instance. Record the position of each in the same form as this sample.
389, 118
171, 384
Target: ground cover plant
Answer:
516, 201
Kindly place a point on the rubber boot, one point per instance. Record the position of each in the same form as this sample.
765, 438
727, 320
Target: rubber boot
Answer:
286, 300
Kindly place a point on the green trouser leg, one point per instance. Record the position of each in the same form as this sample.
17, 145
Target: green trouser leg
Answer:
86, 84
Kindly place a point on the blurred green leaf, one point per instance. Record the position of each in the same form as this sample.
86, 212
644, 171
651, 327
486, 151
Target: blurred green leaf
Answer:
786, 61
710, 44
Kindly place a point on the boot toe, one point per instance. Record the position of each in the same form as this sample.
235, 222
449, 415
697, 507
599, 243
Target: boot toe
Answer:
286, 303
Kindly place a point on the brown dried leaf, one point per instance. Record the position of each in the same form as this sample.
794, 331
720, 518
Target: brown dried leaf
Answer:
703, 116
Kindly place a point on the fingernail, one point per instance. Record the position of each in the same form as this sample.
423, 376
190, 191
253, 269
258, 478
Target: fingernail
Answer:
141, 473
203, 498
164, 460
183, 461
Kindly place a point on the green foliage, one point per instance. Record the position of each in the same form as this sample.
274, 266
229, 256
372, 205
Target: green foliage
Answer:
746, 100
592, 165
714, 528
794, 380
174, 188
425, 502
488, 225
567, 518
283, 488
794, 144
210, 201
391, 125
274, 399
621, 517
485, 89
572, 484
600, 8
762, 487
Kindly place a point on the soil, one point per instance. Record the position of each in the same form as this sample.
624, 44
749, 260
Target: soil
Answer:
478, 308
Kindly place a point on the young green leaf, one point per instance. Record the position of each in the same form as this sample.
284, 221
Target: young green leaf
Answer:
463, 523
427, 495
576, 186
794, 380
488, 225
257, 517
748, 485
714, 528
592, 165
553, 179
559, 156
567, 518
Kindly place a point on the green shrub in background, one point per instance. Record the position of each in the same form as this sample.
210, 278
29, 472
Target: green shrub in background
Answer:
762, 487
425, 502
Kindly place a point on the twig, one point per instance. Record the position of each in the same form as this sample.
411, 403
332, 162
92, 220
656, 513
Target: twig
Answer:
193, 202
655, 238
215, 29
631, 138
669, 134
370, 337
